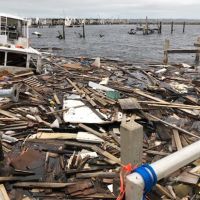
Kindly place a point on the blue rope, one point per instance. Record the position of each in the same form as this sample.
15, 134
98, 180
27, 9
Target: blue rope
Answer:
149, 176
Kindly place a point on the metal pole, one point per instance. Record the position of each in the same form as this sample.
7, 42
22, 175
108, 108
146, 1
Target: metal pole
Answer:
162, 168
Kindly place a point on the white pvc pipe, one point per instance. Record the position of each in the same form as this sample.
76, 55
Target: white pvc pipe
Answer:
162, 168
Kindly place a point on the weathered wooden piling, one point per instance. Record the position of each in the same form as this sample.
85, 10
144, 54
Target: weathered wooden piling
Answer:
146, 27
183, 27
83, 30
63, 31
160, 28
172, 27
166, 47
197, 44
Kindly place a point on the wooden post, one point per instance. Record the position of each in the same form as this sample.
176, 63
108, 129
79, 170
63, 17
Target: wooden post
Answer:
146, 27
83, 30
197, 54
166, 47
160, 28
1, 149
131, 142
64, 30
183, 27
172, 27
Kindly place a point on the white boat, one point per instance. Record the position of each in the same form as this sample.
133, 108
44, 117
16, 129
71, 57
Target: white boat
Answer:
15, 51
68, 22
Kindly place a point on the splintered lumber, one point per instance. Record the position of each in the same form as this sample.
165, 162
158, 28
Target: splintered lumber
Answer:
3, 193
75, 86
174, 126
57, 111
110, 158
41, 185
63, 136
177, 139
18, 178
24, 74
104, 195
188, 178
90, 130
56, 99
141, 93
8, 114
160, 153
164, 191
97, 174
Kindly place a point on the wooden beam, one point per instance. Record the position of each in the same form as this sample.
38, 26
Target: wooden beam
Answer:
41, 185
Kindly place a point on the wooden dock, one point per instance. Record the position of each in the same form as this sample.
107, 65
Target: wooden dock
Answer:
167, 51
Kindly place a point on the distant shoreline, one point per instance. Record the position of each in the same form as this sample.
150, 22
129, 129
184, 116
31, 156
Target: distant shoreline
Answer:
155, 24
78, 22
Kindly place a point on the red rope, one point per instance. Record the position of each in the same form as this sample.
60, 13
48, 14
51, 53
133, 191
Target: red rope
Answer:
125, 170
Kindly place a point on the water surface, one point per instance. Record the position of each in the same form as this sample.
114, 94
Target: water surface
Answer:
117, 43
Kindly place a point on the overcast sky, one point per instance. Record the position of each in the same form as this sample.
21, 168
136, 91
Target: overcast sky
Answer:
103, 8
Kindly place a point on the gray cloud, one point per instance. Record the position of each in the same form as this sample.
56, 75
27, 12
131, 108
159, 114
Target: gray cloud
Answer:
103, 8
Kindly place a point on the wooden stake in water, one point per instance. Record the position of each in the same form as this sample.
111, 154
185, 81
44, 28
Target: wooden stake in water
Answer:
183, 27
160, 28
172, 27
63, 30
83, 30
166, 47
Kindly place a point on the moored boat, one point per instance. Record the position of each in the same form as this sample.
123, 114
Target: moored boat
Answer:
15, 51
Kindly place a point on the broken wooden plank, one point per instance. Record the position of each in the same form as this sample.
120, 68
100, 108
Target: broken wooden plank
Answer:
173, 126
97, 175
41, 185
3, 193
177, 139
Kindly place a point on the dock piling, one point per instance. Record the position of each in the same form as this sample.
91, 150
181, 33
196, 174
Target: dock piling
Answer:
172, 27
63, 31
183, 27
166, 47
83, 30
160, 28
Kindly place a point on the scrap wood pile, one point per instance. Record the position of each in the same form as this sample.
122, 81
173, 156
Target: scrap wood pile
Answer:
62, 138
